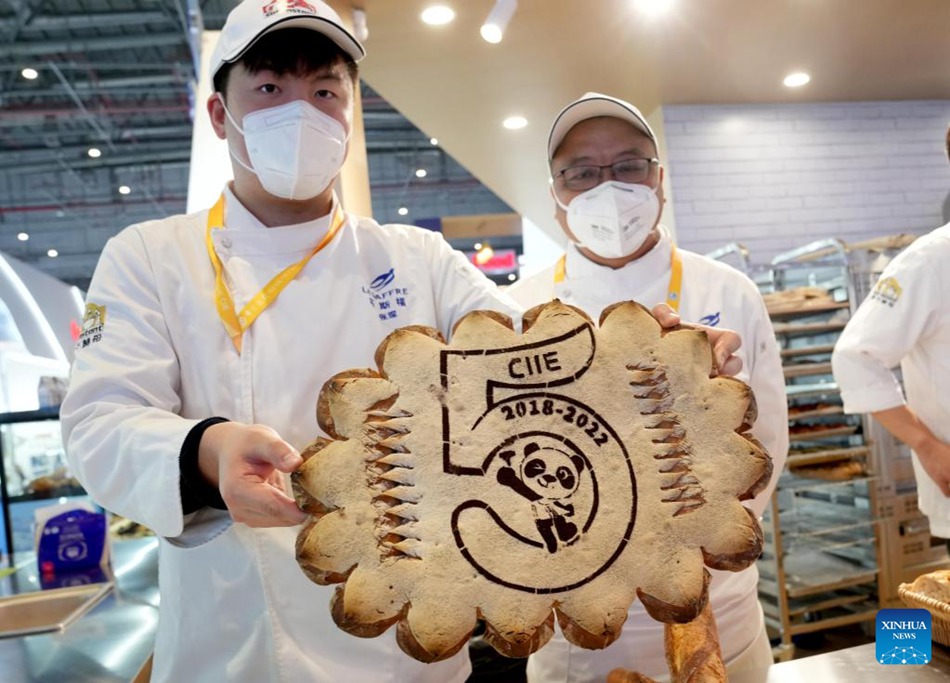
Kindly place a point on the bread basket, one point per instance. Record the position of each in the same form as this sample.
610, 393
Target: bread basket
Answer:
939, 610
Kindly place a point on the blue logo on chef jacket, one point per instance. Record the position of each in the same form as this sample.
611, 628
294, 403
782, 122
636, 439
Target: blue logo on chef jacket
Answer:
902, 637
384, 297
711, 320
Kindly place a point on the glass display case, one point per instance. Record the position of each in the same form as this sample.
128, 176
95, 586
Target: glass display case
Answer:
33, 473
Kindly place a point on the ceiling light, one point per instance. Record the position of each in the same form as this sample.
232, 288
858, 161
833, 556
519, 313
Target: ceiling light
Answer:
477, 246
796, 80
94, 152
494, 27
360, 28
433, 141
402, 211
512, 277
437, 15
124, 189
29, 74
515, 122
654, 8
421, 173
52, 253
23, 236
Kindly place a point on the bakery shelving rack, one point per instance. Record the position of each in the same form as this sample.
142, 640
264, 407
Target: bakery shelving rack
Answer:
734, 252
821, 564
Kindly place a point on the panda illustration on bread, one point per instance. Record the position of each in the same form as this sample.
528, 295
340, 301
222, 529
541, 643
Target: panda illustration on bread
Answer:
547, 477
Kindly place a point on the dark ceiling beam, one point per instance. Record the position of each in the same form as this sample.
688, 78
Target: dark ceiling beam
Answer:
30, 116
79, 45
160, 158
72, 22
97, 65
85, 86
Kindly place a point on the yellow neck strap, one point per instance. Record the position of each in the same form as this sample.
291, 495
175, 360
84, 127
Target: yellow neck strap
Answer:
237, 323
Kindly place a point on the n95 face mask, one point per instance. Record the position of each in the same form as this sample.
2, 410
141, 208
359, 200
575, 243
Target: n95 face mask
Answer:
613, 219
295, 150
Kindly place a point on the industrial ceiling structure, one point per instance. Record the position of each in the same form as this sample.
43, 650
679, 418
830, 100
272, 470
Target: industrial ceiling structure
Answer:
117, 76
98, 135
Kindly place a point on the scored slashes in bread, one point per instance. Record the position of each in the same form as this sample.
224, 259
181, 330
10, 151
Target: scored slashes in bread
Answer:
496, 477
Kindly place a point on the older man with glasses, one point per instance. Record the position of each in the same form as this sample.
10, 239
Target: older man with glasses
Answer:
607, 185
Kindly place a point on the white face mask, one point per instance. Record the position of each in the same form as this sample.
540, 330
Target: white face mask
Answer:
295, 150
613, 219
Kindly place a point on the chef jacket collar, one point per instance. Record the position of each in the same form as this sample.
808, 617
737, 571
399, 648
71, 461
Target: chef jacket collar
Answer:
637, 274
238, 218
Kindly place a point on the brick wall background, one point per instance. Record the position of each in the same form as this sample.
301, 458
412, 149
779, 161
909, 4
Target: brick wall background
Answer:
776, 177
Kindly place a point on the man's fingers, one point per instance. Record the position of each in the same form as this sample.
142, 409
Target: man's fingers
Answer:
666, 316
282, 456
265, 506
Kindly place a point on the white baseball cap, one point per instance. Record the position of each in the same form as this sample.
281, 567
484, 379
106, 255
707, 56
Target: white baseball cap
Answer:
590, 106
253, 18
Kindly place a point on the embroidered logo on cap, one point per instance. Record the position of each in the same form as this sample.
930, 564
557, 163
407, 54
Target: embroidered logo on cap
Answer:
289, 6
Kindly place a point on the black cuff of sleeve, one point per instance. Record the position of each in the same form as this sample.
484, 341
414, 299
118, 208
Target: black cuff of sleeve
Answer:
196, 492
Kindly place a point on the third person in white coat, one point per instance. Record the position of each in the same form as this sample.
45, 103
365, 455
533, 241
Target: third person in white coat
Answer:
608, 193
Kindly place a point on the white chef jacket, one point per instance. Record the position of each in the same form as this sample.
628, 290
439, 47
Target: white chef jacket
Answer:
235, 605
713, 294
905, 321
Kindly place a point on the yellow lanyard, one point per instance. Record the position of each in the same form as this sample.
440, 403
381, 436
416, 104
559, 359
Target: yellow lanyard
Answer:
237, 323
673, 290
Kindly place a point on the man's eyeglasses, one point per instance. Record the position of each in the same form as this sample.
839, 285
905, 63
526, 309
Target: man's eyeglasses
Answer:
582, 178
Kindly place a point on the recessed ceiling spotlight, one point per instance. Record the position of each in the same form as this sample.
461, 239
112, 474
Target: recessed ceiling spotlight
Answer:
29, 74
654, 8
124, 189
477, 246
402, 211
94, 152
512, 277
23, 236
515, 122
421, 173
796, 80
52, 253
433, 141
360, 27
493, 30
437, 15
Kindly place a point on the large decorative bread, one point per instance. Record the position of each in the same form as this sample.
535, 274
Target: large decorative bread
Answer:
499, 476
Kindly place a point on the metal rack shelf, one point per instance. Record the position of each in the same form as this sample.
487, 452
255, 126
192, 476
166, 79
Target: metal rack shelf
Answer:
807, 328
807, 308
820, 566
807, 369
820, 349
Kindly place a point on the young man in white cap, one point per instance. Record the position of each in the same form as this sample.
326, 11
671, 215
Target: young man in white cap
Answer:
905, 321
241, 313
608, 192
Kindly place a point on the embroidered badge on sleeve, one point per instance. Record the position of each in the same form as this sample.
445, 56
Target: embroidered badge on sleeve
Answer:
887, 291
93, 323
